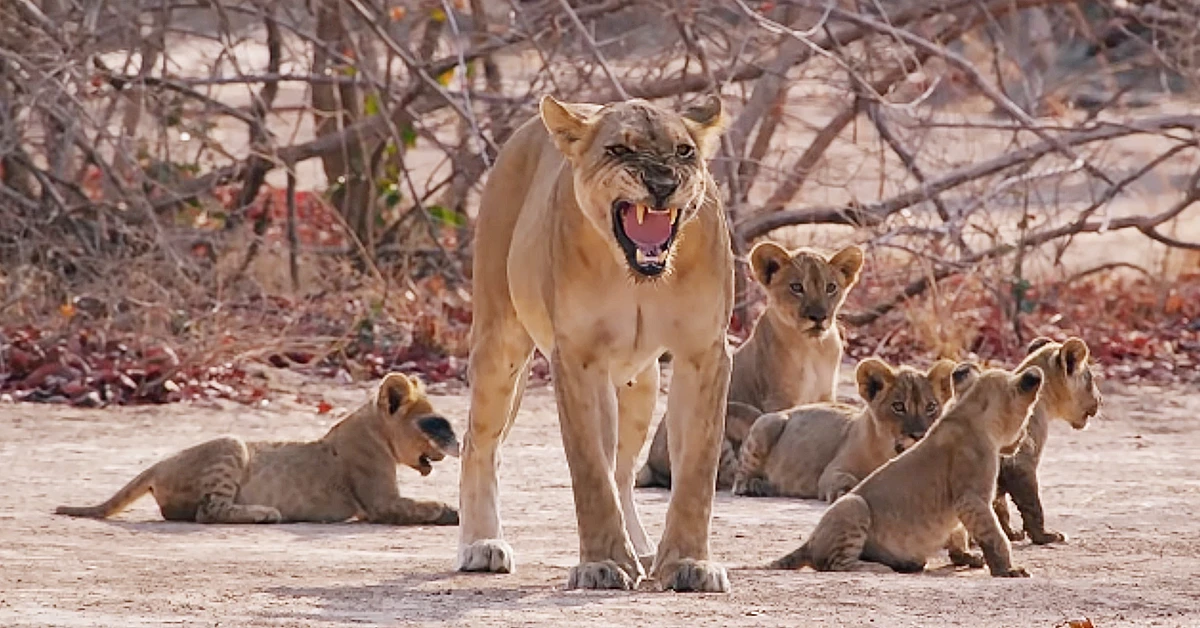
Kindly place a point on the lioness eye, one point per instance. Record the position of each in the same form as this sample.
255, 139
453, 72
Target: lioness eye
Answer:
617, 150
831, 288
685, 150
796, 288
898, 407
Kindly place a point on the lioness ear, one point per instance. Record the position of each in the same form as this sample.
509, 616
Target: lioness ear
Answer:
963, 376
849, 262
1030, 380
1037, 343
705, 122
873, 376
766, 259
394, 392
565, 122
1074, 355
940, 374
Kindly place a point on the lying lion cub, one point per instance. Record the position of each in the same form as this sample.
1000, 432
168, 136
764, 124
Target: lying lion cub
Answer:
791, 357
350, 472
1069, 394
824, 450
914, 504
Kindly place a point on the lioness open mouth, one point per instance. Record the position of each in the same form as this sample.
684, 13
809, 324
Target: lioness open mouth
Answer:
645, 235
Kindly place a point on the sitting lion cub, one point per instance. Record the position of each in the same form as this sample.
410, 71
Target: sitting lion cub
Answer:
914, 504
791, 357
350, 472
824, 450
1069, 394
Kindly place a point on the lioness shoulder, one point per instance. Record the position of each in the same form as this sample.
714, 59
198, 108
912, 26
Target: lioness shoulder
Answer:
792, 355
917, 502
824, 450
348, 473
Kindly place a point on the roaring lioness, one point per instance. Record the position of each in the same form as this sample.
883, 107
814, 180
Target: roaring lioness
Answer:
824, 450
921, 501
602, 242
1069, 394
791, 357
350, 472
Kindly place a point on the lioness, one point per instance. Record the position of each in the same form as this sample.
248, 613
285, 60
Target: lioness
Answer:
824, 450
350, 472
601, 240
791, 357
915, 503
1069, 394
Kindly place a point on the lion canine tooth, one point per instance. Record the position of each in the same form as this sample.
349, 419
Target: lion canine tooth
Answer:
674, 213
641, 213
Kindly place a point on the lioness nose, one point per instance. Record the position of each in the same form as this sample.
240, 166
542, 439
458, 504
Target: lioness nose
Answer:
661, 187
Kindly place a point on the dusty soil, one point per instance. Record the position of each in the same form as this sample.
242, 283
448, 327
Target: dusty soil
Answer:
1126, 491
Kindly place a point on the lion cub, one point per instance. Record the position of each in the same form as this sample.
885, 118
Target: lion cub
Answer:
791, 357
914, 504
824, 450
350, 472
1069, 394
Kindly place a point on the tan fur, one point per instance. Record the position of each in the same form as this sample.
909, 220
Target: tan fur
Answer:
789, 359
1069, 394
915, 503
824, 450
348, 473
555, 267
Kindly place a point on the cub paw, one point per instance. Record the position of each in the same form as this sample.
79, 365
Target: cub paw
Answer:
602, 575
490, 555
1047, 537
268, 515
967, 559
1012, 572
449, 517
752, 487
694, 575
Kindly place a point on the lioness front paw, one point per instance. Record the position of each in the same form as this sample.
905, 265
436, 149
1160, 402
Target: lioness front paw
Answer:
1046, 537
1011, 572
449, 516
972, 560
602, 575
694, 575
493, 555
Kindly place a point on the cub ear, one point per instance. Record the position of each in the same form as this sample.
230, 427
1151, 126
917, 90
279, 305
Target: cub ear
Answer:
439, 430
963, 376
941, 376
873, 375
1030, 380
1074, 354
395, 391
766, 259
566, 122
848, 261
1037, 343
705, 121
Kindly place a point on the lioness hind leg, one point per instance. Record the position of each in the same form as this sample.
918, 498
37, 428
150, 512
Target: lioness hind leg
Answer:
635, 409
695, 408
498, 371
749, 480
217, 483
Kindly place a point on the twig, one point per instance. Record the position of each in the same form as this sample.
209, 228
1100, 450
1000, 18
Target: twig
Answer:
595, 50
292, 238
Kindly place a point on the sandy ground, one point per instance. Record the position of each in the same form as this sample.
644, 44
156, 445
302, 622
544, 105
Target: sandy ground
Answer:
1126, 491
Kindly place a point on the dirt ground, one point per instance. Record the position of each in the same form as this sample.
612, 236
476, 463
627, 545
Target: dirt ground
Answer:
1126, 492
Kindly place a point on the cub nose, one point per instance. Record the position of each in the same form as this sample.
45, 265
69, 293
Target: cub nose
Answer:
661, 187
816, 314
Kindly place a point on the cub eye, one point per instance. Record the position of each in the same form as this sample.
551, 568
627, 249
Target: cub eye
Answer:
617, 150
796, 288
898, 406
830, 288
685, 151
931, 408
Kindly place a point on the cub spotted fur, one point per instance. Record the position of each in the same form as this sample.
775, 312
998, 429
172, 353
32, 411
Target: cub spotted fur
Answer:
1069, 394
350, 472
921, 500
791, 357
824, 450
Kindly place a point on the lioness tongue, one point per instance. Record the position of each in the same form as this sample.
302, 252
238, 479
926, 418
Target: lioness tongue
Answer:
653, 232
